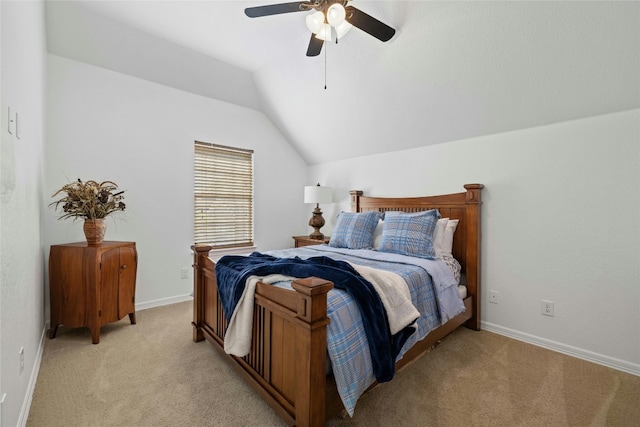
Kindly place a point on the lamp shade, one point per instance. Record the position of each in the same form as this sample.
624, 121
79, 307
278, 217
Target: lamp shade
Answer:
318, 194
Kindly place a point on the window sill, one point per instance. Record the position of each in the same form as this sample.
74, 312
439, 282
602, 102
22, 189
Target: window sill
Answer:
216, 254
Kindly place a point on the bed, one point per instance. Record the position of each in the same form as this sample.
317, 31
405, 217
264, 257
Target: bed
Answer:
288, 357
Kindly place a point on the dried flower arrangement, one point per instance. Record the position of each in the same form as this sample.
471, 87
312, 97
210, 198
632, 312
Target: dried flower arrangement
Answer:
89, 200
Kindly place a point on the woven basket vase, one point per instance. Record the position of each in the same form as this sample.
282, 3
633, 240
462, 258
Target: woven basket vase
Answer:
94, 231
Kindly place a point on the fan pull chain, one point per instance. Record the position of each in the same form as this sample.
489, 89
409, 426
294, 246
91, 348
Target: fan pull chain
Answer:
325, 65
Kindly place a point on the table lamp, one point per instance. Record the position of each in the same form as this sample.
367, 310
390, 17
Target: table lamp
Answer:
317, 194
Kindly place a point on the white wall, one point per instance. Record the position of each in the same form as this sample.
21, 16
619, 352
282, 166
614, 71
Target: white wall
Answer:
74, 31
560, 219
106, 125
21, 204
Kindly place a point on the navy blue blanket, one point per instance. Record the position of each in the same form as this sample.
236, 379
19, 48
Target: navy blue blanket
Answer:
232, 272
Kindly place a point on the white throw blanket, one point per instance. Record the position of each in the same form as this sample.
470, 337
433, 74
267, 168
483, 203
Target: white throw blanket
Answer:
394, 294
237, 339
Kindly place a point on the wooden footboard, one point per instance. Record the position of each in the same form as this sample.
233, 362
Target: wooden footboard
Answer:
287, 361
288, 358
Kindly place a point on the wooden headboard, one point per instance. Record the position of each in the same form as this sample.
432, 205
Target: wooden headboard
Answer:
464, 207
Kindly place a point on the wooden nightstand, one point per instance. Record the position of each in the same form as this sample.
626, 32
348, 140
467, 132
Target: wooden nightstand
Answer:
307, 241
91, 286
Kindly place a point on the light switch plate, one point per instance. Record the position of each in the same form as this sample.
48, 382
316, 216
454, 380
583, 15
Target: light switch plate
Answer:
12, 124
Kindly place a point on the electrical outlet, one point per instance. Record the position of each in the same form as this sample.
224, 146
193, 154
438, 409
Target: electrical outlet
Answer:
493, 297
184, 273
547, 308
21, 353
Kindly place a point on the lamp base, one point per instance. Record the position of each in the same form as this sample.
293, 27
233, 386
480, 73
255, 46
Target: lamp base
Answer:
316, 235
316, 221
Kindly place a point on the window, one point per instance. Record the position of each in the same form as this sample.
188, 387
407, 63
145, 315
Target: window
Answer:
223, 196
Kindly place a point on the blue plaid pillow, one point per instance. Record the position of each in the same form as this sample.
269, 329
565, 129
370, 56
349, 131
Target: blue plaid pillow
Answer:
409, 233
355, 230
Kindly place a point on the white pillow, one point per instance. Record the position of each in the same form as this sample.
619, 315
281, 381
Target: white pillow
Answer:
447, 239
377, 235
438, 235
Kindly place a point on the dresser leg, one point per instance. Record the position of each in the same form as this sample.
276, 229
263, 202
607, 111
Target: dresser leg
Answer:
52, 331
132, 318
95, 336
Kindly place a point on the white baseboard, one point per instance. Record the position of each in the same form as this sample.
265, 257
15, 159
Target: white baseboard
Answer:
163, 301
33, 378
600, 359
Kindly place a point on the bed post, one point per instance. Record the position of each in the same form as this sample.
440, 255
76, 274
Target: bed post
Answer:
355, 200
472, 219
311, 351
200, 252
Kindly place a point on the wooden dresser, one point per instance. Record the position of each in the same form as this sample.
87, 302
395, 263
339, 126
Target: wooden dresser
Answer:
91, 286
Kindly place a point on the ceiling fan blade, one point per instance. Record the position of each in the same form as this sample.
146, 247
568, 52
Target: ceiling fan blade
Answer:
275, 9
369, 24
315, 46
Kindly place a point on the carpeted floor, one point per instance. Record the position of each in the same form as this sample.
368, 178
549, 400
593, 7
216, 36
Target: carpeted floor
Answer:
153, 374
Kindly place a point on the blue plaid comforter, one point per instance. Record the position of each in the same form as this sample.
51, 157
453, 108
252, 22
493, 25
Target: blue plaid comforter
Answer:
433, 291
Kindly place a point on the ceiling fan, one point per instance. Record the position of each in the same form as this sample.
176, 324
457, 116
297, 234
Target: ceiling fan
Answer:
329, 16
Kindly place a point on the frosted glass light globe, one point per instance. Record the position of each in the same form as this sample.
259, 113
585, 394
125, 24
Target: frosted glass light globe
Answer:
314, 21
336, 14
343, 29
324, 33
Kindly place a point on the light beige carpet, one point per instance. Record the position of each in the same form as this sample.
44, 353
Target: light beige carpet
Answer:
153, 374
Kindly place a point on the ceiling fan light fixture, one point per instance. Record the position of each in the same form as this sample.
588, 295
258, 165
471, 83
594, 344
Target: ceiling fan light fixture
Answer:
324, 33
343, 29
336, 14
315, 21
324, 16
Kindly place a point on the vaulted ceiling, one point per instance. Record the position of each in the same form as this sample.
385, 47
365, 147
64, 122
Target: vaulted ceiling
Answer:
453, 70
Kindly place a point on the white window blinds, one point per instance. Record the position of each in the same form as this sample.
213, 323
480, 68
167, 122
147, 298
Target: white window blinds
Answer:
223, 195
